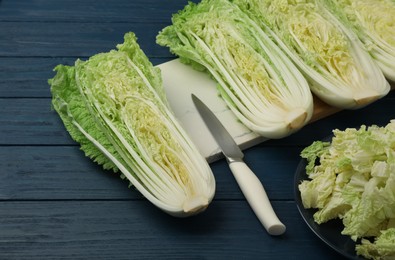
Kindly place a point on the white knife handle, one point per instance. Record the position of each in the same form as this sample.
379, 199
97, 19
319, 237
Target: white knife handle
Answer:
256, 196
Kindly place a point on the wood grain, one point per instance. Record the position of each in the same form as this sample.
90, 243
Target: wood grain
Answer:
98, 11
64, 173
137, 230
37, 39
55, 203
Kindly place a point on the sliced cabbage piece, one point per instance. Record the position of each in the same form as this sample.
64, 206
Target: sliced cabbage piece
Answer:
352, 178
382, 248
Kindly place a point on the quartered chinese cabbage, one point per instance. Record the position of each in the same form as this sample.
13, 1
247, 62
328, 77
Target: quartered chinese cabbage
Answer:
374, 23
257, 81
340, 71
114, 105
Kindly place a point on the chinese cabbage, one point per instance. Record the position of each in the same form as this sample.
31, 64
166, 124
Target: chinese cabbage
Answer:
257, 81
339, 69
374, 23
114, 105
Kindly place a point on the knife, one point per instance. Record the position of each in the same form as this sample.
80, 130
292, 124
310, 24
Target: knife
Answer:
248, 182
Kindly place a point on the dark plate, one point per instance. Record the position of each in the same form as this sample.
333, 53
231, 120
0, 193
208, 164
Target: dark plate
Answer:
329, 232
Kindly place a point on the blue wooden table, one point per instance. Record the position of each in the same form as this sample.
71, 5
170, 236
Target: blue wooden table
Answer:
57, 204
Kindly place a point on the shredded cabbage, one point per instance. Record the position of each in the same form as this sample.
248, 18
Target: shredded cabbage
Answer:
374, 23
339, 69
114, 105
354, 180
382, 248
257, 81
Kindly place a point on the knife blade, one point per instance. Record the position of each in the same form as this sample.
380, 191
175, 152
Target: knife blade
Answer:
248, 182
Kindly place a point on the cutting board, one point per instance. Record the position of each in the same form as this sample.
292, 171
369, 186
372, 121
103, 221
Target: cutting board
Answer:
180, 81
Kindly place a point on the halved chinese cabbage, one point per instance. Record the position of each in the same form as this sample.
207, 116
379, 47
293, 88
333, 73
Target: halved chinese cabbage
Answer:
114, 105
258, 82
374, 23
330, 55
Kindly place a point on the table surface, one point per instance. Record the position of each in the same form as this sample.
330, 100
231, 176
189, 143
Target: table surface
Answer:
55, 203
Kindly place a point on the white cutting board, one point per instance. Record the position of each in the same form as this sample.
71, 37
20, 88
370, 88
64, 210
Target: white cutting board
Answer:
180, 81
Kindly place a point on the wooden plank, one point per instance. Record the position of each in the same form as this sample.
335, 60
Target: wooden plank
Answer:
137, 230
56, 172
36, 39
64, 173
137, 11
26, 121
27, 76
